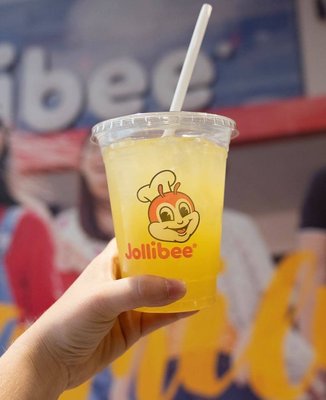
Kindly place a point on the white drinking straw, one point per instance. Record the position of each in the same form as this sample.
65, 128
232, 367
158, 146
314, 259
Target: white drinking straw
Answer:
190, 61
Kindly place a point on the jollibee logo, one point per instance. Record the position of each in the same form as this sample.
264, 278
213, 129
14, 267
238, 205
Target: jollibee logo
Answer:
172, 215
153, 250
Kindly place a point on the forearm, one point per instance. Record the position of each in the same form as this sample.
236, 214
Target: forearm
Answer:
27, 373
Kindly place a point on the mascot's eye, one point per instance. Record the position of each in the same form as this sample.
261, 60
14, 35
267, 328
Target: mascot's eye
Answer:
184, 209
166, 214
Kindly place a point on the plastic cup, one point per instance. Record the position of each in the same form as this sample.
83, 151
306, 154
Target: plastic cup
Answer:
167, 195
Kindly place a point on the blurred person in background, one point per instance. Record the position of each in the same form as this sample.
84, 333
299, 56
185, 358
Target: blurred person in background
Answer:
249, 271
84, 231
312, 233
246, 275
312, 238
28, 284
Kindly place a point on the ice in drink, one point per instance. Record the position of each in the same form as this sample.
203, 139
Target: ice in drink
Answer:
166, 197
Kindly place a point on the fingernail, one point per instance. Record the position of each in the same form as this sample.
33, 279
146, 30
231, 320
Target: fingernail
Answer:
176, 289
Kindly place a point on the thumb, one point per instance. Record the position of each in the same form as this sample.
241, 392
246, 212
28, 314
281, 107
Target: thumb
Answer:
143, 291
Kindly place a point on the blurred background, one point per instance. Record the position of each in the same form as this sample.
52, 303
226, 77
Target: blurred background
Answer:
68, 64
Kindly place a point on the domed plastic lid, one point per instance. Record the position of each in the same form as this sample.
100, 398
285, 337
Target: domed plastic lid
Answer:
112, 130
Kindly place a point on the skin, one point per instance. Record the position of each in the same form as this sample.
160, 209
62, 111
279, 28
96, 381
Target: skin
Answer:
87, 328
2, 139
11, 175
92, 168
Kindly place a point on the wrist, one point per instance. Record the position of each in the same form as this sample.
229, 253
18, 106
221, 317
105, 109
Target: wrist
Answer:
30, 370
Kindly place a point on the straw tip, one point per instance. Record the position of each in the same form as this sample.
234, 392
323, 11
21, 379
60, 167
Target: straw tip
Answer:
207, 6
206, 10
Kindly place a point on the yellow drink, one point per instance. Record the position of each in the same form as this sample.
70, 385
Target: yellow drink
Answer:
199, 166
167, 196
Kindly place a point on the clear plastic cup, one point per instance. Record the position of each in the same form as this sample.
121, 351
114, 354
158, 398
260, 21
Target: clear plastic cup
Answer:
167, 197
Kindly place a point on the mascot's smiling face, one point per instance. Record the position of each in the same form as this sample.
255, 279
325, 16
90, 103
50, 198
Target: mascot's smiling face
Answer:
172, 214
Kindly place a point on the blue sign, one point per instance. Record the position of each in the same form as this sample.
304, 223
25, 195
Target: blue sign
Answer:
71, 63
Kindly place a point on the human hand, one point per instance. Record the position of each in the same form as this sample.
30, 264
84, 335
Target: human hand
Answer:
92, 323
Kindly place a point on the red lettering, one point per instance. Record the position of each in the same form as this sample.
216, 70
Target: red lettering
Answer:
128, 255
143, 253
176, 252
136, 253
153, 250
187, 252
148, 251
162, 252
